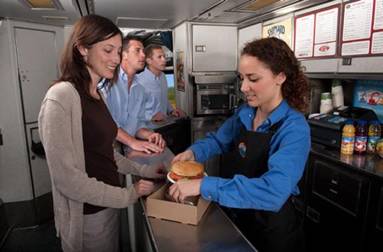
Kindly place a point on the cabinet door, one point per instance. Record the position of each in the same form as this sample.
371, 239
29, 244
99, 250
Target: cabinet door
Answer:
39, 167
362, 65
37, 65
214, 48
320, 65
336, 208
375, 226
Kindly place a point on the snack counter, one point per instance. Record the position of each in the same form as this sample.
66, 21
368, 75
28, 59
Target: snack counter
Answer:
214, 232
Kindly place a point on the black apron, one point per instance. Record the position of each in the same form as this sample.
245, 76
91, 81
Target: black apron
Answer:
267, 231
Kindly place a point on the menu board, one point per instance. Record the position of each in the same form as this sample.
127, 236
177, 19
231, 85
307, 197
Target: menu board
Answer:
377, 31
304, 36
377, 42
316, 33
362, 28
326, 32
378, 18
279, 29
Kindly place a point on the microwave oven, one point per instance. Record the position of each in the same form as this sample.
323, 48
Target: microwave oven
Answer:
214, 99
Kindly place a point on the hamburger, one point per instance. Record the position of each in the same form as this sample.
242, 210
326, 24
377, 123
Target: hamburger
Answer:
186, 170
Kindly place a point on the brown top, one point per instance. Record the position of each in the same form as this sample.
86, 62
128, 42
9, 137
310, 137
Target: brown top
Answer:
99, 132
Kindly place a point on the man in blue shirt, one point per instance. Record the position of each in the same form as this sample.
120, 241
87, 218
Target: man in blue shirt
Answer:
265, 144
154, 81
126, 100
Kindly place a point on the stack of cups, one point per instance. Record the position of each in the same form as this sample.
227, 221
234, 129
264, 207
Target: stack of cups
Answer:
337, 94
325, 103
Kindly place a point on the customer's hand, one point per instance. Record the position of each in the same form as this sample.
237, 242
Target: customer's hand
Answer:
184, 156
156, 171
159, 116
157, 139
184, 188
178, 113
145, 146
144, 187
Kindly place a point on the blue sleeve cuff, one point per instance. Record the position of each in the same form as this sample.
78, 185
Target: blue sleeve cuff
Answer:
149, 113
141, 125
196, 153
209, 188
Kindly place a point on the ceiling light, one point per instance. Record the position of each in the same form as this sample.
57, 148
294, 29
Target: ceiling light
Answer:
55, 18
42, 4
142, 19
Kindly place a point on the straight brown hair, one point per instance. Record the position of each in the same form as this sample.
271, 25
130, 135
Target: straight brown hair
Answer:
87, 31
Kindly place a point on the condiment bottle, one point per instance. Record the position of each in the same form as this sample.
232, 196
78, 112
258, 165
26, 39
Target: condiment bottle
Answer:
374, 131
379, 147
348, 138
360, 145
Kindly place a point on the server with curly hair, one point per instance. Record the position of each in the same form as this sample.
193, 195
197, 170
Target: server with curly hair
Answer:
265, 146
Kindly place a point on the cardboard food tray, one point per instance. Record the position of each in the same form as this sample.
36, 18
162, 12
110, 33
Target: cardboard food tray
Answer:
157, 206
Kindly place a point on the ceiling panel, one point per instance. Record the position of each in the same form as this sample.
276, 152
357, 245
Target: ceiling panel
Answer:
132, 22
175, 11
155, 14
15, 9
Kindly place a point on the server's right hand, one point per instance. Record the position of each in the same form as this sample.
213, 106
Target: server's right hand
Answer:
184, 156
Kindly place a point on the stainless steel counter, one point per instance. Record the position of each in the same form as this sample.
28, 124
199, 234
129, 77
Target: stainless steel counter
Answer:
168, 121
367, 164
215, 232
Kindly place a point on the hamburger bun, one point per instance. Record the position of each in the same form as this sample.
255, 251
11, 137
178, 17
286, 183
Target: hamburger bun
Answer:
186, 170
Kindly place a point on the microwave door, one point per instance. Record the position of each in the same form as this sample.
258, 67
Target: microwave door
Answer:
212, 102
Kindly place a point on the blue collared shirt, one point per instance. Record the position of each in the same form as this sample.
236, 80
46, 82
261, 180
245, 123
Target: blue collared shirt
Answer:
289, 150
156, 88
126, 106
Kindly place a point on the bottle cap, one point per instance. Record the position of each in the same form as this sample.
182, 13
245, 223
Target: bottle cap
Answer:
374, 122
349, 121
362, 122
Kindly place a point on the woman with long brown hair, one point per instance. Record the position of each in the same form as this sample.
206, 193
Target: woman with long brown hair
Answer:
78, 132
265, 146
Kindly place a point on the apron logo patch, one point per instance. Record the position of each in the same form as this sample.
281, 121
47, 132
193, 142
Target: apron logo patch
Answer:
242, 149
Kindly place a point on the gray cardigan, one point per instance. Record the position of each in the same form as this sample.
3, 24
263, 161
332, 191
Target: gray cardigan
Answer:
60, 129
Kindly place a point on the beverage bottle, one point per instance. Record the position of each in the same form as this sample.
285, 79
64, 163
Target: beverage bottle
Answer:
374, 131
348, 138
360, 145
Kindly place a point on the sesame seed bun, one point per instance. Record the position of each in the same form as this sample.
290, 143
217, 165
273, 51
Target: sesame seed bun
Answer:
186, 169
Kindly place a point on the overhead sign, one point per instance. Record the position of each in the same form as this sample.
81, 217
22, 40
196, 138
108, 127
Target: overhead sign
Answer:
280, 29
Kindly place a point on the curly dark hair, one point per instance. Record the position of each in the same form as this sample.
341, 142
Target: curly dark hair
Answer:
277, 55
